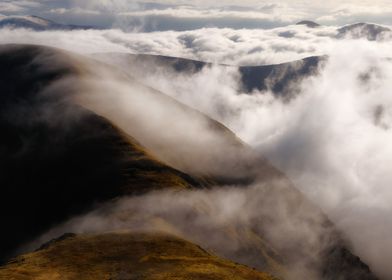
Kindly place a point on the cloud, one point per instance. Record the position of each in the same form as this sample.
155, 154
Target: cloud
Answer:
228, 46
356, 12
180, 15
249, 225
18, 6
333, 140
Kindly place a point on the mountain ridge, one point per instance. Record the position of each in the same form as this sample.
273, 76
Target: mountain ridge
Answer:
37, 23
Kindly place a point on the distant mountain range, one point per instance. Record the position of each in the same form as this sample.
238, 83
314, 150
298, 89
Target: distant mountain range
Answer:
36, 23
281, 79
367, 31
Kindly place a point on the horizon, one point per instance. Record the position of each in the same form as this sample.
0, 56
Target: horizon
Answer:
149, 16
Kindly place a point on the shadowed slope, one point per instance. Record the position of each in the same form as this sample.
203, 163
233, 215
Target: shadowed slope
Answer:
57, 158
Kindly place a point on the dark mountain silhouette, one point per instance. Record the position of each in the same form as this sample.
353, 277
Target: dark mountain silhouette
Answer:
308, 23
65, 158
57, 158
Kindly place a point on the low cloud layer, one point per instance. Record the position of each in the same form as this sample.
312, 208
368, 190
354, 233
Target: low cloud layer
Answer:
222, 46
226, 46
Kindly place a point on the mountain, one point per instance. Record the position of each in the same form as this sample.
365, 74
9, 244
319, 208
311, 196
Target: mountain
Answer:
308, 23
63, 156
79, 135
36, 23
281, 79
58, 158
125, 256
369, 31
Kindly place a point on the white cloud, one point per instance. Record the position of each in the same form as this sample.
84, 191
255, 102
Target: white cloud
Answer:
333, 140
17, 6
246, 47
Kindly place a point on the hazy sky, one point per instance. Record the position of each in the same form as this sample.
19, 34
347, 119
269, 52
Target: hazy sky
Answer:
187, 15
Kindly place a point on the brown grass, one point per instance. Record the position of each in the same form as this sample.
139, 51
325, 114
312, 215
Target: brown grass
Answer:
125, 256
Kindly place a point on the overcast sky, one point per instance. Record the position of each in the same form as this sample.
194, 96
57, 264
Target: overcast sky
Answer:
188, 15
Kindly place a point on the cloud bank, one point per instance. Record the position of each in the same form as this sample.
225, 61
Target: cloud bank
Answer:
225, 46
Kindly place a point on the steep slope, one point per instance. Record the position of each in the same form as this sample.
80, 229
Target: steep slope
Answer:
125, 256
57, 158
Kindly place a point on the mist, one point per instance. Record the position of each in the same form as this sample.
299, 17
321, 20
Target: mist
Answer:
249, 225
332, 140
223, 46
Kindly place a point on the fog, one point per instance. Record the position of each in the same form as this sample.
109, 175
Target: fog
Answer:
332, 140
224, 46
249, 225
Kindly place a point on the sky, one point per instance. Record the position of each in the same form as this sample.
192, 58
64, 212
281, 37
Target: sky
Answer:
188, 15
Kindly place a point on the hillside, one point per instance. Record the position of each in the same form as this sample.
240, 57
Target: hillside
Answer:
125, 256
58, 153
57, 158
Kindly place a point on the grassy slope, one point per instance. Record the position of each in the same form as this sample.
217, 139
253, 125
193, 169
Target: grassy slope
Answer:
125, 256
58, 159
